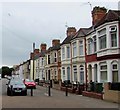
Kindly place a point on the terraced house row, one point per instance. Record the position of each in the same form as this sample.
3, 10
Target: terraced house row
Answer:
86, 54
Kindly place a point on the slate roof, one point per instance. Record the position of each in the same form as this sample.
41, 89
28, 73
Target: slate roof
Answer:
56, 47
67, 40
41, 54
112, 15
82, 32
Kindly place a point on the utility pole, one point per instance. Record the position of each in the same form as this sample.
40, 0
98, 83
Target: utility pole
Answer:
33, 58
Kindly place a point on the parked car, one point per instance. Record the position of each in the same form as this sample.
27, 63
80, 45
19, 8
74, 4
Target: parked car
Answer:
16, 86
30, 83
0, 76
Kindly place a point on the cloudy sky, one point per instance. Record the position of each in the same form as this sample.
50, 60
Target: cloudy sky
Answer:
26, 22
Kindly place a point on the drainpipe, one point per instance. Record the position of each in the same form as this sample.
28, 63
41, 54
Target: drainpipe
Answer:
71, 60
33, 58
85, 63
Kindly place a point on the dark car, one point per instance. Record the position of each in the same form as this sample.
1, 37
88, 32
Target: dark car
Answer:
16, 86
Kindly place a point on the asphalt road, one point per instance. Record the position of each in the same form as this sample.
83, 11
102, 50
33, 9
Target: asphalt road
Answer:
57, 100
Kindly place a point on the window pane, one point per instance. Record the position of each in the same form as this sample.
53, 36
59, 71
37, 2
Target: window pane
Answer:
90, 46
115, 76
102, 42
68, 52
68, 73
115, 66
113, 39
94, 43
103, 76
81, 47
104, 67
102, 32
75, 72
74, 49
63, 53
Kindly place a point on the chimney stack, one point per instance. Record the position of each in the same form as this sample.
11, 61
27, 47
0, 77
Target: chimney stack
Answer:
43, 47
55, 42
71, 31
36, 51
97, 14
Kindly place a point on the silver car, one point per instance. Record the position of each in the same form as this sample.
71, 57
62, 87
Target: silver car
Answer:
16, 86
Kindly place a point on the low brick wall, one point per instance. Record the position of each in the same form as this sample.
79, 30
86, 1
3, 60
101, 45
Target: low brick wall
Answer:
70, 90
56, 86
92, 94
111, 95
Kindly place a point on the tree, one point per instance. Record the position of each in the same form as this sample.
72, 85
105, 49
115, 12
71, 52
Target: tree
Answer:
6, 71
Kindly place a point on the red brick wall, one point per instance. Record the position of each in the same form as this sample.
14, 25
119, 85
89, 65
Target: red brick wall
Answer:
97, 14
43, 47
91, 58
55, 42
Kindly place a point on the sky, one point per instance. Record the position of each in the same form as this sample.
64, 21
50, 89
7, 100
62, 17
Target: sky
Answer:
22, 23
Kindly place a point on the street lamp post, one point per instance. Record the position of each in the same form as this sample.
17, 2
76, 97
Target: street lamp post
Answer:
33, 59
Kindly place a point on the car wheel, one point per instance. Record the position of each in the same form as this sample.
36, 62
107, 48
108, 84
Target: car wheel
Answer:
25, 94
8, 92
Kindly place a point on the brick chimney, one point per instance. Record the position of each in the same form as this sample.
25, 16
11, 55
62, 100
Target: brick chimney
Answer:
97, 14
36, 51
71, 31
55, 42
43, 47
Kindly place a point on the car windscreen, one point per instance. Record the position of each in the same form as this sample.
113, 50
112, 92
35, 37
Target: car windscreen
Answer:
16, 82
29, 81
